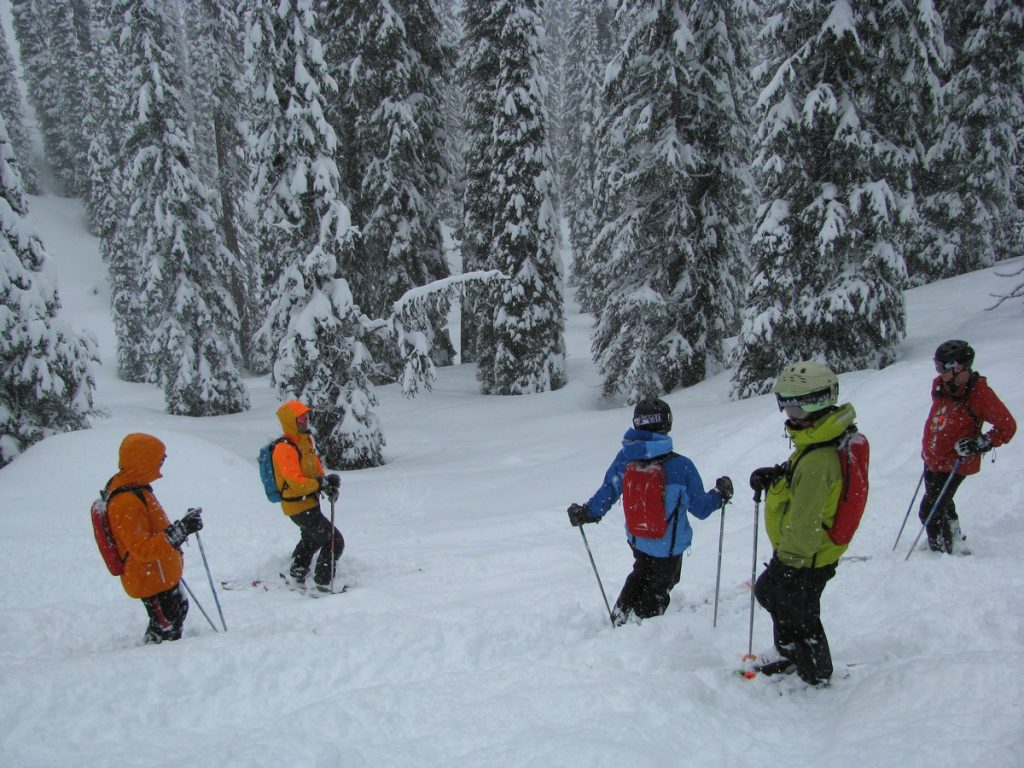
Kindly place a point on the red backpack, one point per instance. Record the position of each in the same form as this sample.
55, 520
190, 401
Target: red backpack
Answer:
101, 528
854, 455
643, 497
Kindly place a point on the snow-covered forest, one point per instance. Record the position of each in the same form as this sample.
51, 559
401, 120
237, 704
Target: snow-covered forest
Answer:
342, 195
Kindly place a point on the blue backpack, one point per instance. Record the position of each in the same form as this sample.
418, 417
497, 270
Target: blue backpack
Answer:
266, 462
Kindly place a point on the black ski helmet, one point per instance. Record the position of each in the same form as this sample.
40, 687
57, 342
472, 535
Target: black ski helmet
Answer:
955, 351
652, 415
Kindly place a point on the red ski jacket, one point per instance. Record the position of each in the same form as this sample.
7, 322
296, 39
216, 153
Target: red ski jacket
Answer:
962, 413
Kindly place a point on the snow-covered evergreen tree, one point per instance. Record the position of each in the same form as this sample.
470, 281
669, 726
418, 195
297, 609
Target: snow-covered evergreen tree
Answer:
523, 349
554, 68
110, 219
847, 91
454, 116
14, 115
971, 216
722, 189
586, 56
105, 204
478, 67
313, 323
394, 72
46, 368
172, 229
667, 256
215, 57
55, 64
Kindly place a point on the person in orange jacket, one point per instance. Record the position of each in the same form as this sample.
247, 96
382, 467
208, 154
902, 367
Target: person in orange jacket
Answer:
299, 475
962, 403
148, 543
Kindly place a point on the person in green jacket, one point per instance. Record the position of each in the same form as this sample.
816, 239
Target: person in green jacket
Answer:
802, 497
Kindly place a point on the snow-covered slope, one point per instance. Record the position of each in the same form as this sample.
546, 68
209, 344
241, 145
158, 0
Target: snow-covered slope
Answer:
475, 634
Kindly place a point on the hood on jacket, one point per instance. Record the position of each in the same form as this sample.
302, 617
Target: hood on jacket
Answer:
639, 444
140, 457
288, 415
824, 429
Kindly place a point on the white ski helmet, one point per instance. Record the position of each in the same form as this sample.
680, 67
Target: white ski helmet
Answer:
805, 388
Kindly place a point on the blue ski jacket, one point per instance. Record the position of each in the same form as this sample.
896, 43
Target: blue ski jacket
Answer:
684, 492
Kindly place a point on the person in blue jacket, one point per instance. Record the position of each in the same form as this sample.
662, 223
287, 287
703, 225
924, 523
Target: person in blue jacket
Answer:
657, 556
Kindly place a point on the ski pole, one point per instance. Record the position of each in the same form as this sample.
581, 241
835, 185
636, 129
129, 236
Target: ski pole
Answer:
198, 604
907, 516
209, 575
597, 575
333, 537
718, 576
753, 577
935, 506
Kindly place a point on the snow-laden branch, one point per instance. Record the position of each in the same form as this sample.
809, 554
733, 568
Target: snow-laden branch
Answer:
411, 326
1016, 293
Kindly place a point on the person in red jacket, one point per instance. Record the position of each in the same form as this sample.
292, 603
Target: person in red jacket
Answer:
149, 543
962, 403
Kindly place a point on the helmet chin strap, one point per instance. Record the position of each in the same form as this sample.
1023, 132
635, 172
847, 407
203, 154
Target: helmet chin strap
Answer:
957, 380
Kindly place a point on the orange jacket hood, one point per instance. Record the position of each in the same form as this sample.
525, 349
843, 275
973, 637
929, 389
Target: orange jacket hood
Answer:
288, 415
140, 458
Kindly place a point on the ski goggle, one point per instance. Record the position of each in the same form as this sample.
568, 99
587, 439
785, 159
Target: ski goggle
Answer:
819, 398
941, 367
649, 420
796, 413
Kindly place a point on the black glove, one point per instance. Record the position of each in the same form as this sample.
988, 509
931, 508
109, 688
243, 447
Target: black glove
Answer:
968, 446
180, 530
578, 515
763, 478
328, 485
724, 487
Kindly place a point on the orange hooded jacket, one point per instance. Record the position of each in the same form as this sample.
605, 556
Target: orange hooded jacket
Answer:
151, 565
297, 473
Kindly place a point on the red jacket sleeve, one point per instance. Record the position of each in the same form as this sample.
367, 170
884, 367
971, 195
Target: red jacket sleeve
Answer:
990, 409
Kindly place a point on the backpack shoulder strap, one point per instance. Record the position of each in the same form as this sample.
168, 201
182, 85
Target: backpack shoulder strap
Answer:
283, 439
665, 457
835, 442
967, 398
136, 489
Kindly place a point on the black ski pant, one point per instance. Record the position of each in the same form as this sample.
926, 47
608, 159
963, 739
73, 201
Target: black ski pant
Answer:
944, 527
316, 532
646, 591
793, 598
167, 611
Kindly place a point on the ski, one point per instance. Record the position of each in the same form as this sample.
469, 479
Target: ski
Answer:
265, 586
841, 672
232, 586
314, 591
